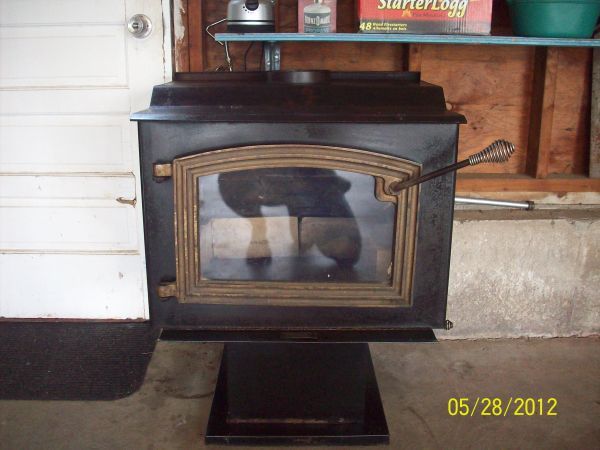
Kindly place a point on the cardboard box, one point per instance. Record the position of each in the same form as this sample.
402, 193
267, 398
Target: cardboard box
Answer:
425, 16
317, 16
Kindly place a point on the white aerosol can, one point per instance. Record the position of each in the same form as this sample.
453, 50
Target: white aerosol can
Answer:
317, 18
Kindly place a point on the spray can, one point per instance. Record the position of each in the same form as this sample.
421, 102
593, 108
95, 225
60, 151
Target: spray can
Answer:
317, 18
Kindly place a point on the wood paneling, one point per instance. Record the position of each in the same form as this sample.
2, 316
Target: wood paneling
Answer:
594, 170
196, 35
545, 68
288, 16
492, 89
341, 56
569, 145
415, 57
181, 30
213, 56
189, 35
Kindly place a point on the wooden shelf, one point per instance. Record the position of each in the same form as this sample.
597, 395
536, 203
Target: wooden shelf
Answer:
407, 39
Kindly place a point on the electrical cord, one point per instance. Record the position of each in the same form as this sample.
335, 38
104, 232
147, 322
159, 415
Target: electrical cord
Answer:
246, 55
225, 45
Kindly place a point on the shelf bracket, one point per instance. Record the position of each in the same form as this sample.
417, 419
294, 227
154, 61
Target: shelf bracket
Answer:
272, 55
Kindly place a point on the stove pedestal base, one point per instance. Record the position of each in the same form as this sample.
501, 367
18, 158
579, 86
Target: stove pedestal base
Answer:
296, 393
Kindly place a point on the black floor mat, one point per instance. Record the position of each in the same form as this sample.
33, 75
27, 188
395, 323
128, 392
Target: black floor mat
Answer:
73, 361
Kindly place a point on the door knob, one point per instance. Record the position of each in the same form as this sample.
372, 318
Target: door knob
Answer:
140, 26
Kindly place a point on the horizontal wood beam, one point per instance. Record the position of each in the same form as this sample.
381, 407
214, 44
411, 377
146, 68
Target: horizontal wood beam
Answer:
515, 183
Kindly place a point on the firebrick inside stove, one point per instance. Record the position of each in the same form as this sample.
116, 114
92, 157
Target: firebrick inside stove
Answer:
267, 203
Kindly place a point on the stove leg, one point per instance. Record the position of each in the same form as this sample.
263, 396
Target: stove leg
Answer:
296, 393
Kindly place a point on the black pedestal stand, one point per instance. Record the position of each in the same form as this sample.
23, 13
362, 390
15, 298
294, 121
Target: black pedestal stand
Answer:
296, 393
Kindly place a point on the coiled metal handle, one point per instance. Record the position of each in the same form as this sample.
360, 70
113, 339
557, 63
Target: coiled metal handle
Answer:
497, 152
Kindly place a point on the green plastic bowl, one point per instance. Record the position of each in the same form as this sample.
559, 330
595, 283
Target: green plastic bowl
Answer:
554, 18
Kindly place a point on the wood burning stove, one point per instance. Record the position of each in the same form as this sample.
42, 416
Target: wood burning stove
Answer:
269, 217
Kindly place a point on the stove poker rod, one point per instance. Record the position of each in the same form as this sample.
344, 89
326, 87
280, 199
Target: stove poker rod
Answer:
399, 186
528, 205
498, 151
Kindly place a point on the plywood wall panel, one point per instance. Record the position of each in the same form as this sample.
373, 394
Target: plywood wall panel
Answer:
214, 11
346, 16
571, 121
288, 16
341, 56
492, 89
181, 28
197, 36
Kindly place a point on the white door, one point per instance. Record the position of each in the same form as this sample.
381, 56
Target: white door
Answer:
71, 235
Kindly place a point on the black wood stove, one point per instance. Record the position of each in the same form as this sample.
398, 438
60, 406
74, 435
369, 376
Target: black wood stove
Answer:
270, 224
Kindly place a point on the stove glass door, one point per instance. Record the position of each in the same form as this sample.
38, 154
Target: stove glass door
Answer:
294, 224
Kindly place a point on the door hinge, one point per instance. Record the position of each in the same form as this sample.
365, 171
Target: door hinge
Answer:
167, 290
162, 170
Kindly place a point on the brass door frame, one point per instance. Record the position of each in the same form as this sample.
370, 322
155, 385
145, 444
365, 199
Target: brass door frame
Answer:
189, 288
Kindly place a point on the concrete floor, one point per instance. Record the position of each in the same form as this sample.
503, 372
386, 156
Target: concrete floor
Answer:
416, 380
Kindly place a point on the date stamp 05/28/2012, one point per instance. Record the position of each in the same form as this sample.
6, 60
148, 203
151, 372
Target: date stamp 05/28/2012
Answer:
499, 407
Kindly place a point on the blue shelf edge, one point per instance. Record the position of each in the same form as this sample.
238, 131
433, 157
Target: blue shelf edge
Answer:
408, 39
